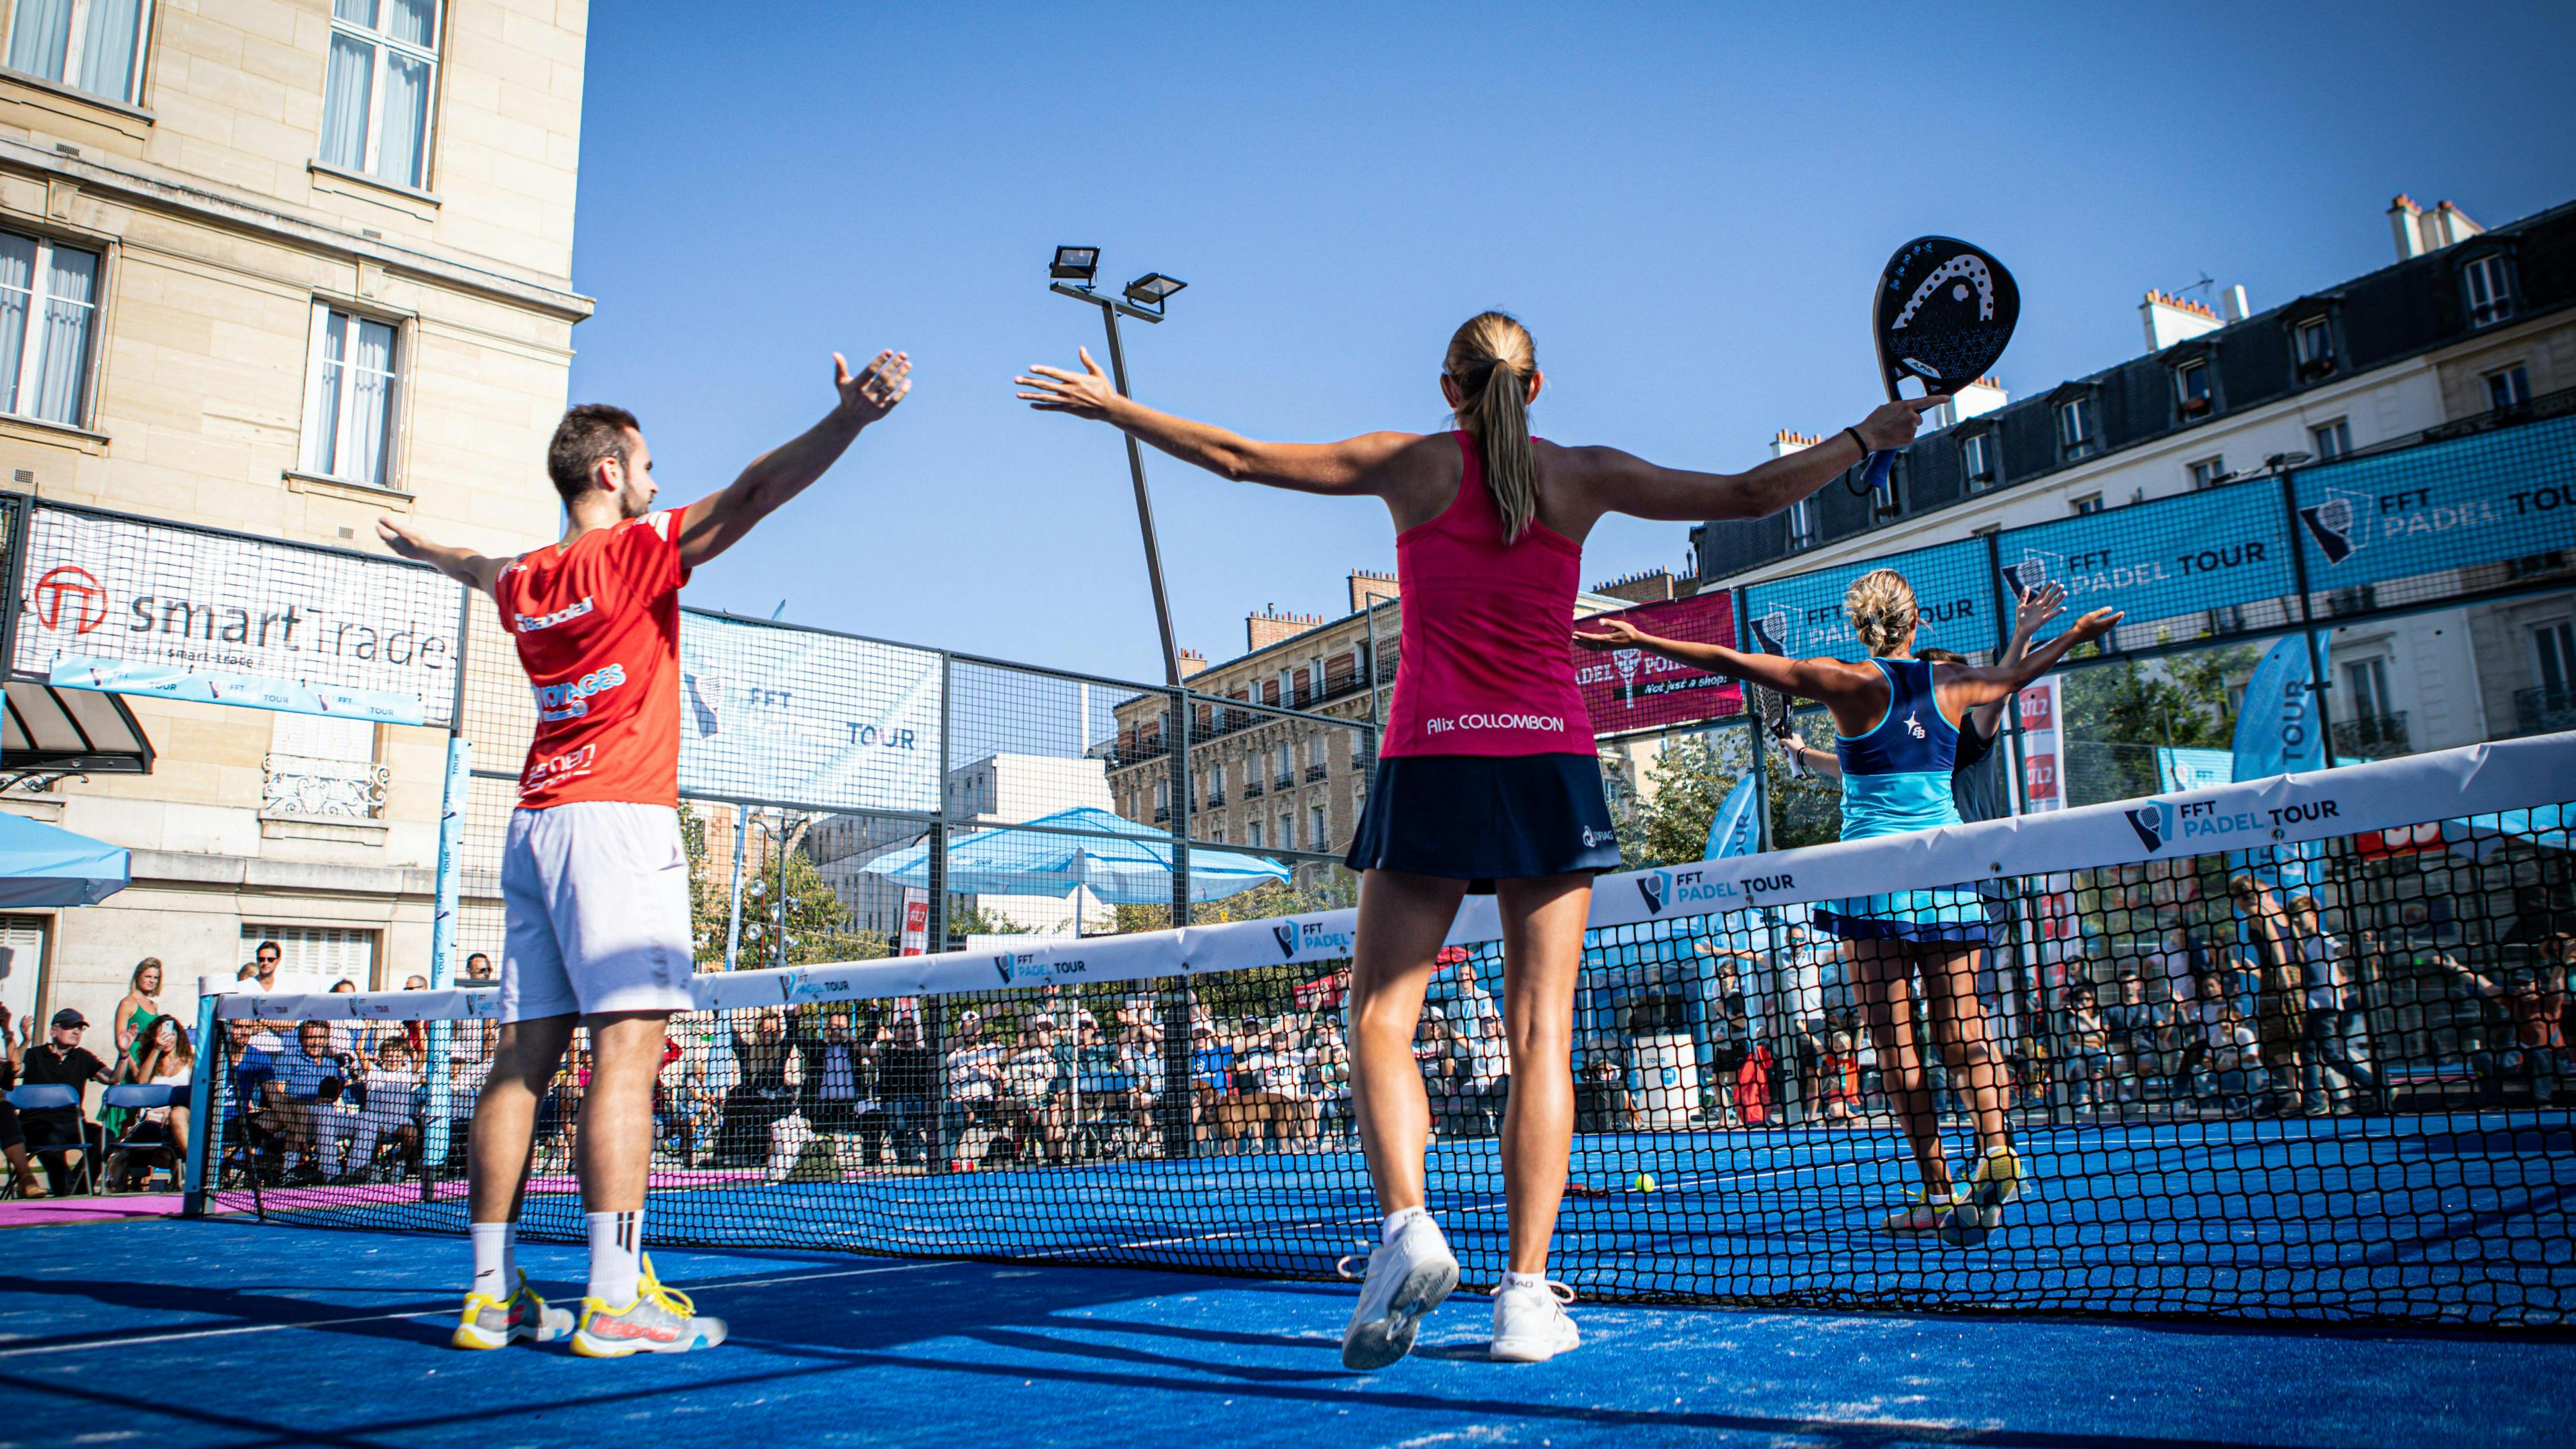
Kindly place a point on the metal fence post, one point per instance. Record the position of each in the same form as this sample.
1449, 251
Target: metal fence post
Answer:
2317, 680
1177, 1095
194, 1190
934, 1031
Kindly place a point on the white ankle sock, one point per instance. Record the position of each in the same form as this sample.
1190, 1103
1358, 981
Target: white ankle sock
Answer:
616, 1255
1397, 1221
496, 1252
1525, 1280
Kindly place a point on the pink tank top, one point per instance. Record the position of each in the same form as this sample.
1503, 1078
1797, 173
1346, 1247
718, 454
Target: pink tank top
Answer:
1487, 662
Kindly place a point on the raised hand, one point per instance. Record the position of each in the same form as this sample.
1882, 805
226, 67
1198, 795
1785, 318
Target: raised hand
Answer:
1085, 394
874, 392
2038, 607
403, 540
1892, 425
1622, 635
2094, 625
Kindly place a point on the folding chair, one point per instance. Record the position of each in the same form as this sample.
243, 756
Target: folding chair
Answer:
139, 1097
53, 1096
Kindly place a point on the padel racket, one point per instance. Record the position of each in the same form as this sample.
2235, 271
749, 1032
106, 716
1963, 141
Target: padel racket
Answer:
1943, 312
1773, 707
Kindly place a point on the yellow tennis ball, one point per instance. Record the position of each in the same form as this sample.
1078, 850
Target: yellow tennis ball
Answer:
1645, 1182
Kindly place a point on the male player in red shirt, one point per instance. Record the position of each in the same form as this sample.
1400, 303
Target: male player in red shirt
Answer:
594, 876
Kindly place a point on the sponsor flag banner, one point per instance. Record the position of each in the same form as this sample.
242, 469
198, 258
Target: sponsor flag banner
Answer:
2216, 549
802, 717
2419, 514
1736, 827
1802, 616
916, 921
2276, 727
2470, 781
131, 606
2042, 762
1630, 689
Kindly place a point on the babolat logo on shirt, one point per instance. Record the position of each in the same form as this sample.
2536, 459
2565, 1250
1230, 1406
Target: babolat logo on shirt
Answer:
572, 701
2153, 822
569, 612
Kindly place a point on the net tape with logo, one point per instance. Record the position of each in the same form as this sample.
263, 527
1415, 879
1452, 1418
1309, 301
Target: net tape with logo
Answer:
2220, 1104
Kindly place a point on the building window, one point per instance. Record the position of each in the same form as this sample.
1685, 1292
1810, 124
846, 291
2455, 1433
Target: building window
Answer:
376, 99
1317, 821
2508, 387
349, 412
2209, 473
322, 767
2075, 427
1977, 460
2369, 681
2089, 503
90, 45
2191, 388
2554, 647
2490, 290
313, 957
1802, 524
48, 303
1287, 832
1254, 838
2330, 441
2312, 343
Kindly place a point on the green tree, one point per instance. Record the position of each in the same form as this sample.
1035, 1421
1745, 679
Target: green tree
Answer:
1666, 818
816, 926
2117, 715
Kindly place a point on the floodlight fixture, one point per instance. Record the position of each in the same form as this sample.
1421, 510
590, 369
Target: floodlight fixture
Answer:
1153, 289
1074, 264
2276, 462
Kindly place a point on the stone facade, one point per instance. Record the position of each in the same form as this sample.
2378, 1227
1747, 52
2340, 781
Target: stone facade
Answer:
221, 229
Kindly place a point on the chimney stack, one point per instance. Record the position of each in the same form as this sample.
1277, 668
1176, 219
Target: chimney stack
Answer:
1192, 661
1368, 587
2170, 319
1268, 627
1786, 442
2417, 231
2233, 306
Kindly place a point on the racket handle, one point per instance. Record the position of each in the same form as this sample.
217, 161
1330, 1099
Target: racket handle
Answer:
1876, 476
1789, 760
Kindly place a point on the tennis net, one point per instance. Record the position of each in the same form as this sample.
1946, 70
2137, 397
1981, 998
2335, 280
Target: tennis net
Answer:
2288, 1048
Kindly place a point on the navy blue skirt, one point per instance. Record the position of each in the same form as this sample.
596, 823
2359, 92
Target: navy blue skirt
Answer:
1482, 819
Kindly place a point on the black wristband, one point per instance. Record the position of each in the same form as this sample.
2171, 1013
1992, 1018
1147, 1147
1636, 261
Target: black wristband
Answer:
1863, 442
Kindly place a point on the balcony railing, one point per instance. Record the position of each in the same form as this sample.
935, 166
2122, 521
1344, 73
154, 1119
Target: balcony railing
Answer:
1216, 801
1283, 780
2372, 737
1162, 813
322, 789
2543, 710
1316, 772
1252, 789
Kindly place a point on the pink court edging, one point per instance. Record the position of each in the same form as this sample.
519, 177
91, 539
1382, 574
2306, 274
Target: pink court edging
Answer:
61, 1211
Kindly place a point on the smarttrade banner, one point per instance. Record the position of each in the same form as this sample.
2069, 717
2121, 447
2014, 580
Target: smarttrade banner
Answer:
2419, 511
1802, 617
1630, 689
2477, 780
804, 717
135, 607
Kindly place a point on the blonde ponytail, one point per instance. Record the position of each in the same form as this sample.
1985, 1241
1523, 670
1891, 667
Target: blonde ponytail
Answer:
1882, 611
1492, 358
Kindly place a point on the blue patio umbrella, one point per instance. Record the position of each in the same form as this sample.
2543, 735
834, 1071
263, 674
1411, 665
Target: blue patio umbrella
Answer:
42, 865
1112, 859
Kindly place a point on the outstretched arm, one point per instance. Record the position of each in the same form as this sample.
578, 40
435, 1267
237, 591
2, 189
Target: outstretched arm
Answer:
1823, 680
474, 570
1617, 482
2044, 603
1967, 686
1356, 466
717, 522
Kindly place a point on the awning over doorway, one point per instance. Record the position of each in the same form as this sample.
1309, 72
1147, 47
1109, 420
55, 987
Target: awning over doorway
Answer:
69, 731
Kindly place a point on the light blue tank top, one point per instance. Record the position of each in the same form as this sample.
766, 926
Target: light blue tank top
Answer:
1896, 777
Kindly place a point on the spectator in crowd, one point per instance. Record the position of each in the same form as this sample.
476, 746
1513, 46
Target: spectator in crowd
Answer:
1474, 1002
1753, 1087
304, 1095
61, 1060
2332, 1074
138, 1008
2224, 1057
839, 1071
388, 1113
1486, 1083
1040, 1091
13, 1134
1443, 1054
2534, 999
2135, 1026
906, 1075
2281, 989
2088, 1047
760, 1094
478, 971
163, 1057
974, 1068
1140, 1059
2180, 964
248, 1055
1328, 1070
1211, 1078
1839, 1073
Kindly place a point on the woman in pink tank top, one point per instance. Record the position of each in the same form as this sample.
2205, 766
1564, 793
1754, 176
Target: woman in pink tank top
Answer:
1487, 778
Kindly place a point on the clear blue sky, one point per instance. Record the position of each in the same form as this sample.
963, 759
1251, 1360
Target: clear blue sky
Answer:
1687, 204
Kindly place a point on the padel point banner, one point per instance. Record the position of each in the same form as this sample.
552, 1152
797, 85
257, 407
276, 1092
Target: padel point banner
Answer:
771, 712
1630, 689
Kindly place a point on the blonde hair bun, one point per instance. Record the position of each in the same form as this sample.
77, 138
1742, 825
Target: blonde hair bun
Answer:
1881, 609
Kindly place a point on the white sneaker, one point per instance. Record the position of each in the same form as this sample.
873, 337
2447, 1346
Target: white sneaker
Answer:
1531, 1324
1406, 1279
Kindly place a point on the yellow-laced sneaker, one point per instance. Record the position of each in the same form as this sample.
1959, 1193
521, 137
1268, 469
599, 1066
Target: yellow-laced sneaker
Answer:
660, 1320
489, 1322
1979, 1208
1921, 1215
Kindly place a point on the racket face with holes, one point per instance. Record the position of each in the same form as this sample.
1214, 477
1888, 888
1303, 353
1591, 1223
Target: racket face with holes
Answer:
1944, 311
1772, 707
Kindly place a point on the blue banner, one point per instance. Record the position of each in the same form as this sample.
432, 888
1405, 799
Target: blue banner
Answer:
1735, 829
2199, 551
2276, 727
2483, 499
1802, 616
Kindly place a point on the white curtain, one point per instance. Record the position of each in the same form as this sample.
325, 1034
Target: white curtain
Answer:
40, 37
107, 50
398, 152
371, 401
71, 289
17, 285
413, 22
362, 12
344, 102
323, 447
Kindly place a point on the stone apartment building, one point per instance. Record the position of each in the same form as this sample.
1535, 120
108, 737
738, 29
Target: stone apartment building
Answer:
299, 263
2467, 329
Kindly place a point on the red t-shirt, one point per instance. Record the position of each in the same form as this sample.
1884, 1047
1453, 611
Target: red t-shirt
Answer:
598, 629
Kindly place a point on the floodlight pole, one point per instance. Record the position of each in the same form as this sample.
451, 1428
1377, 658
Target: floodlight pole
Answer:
1110, 308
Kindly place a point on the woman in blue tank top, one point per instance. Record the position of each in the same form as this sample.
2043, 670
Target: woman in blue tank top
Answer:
1896, 719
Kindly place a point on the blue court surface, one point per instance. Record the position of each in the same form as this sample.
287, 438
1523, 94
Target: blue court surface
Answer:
228, 1332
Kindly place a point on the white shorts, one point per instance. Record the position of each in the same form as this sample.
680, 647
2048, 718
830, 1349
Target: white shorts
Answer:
598, 898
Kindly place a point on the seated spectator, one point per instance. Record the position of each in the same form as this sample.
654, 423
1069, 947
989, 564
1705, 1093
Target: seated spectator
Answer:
2133, 1024
391, 1099
760, 1094
974, 1067
305, 1096
1038, 1092
1601, 1099
247, 1058
906, 1078
1486, 1080
1140, 1062
1753, 1087
164, 1058
13, 1136
478, 971
840, 1088
2088, 1047
1838, 1077
59, 1136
